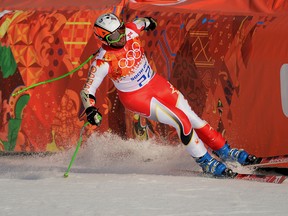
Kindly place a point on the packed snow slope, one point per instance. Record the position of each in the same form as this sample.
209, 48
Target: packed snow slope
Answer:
111, 176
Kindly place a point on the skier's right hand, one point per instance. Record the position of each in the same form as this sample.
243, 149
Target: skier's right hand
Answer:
93, 116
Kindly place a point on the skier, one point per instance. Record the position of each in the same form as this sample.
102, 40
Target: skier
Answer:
143, 91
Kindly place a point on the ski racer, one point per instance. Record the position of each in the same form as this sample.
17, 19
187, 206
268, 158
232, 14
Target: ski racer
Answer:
143, 91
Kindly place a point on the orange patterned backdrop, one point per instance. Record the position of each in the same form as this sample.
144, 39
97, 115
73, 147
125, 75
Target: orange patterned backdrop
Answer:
227, 64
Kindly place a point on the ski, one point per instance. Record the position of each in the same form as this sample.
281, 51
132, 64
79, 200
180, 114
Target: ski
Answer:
269, 161
276, 179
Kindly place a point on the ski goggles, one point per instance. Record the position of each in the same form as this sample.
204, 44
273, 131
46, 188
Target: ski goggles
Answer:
116, 36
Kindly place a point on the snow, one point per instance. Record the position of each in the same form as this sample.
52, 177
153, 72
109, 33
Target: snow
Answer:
118, 177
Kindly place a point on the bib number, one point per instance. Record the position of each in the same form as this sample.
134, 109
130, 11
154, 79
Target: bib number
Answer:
147, 75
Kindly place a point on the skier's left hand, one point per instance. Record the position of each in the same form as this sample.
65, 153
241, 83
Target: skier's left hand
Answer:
152, 25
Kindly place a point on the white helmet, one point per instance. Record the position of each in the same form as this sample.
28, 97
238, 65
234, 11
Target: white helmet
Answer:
106, 24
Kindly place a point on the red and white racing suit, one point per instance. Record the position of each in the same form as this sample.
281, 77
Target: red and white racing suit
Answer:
143, 91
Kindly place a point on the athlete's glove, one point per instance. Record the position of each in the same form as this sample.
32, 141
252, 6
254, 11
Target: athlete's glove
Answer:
93, 116
152, 25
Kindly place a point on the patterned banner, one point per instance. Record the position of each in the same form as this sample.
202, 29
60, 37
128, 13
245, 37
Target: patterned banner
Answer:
226, 65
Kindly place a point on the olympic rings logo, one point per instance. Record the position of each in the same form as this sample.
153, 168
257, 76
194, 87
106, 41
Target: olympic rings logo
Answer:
131, 56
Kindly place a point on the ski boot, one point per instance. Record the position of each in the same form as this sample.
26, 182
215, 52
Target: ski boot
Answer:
232, 154
214, 167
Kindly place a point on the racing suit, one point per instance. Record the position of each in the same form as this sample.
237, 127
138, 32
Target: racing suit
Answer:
143, 91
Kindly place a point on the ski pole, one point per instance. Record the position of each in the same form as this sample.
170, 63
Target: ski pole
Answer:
76, 150
54, 79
